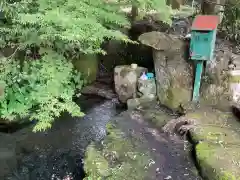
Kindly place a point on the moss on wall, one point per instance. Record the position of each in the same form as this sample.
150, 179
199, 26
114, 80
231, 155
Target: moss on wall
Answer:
88, 66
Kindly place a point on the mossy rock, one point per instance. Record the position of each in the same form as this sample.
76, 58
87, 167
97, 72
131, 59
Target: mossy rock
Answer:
219, 136
176, 97
217, 162
208, 116
158, 118
214, 126
88, 66
234, 79
215, 134
95, 164
118, 158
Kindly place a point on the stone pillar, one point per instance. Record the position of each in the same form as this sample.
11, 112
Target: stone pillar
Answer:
174, 78
174, 75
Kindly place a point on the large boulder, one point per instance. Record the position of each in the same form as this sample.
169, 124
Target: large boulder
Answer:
216, 87
174, 75
125, 79
216, 137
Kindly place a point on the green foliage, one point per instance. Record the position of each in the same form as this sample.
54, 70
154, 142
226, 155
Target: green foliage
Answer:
38, 80
231, 19
146, 6
65, 24
41, 89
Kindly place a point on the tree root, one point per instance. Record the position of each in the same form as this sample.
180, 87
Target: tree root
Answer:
180, 126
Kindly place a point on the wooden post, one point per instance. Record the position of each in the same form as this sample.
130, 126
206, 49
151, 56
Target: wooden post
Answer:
197, 81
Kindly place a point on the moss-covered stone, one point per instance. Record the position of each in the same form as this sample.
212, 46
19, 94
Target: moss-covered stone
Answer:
218, 151
215, 134
158, 118
95, 164
177, 96
218, 163
174, 74
208, 116
88, 66
234, 79
118, 159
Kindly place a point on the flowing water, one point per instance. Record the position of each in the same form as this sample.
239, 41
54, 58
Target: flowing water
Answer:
57, 154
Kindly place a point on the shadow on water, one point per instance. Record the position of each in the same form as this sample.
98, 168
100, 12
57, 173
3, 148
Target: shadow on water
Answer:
57, 153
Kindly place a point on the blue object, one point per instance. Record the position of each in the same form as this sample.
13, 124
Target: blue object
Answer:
203, 37
144, 76
150, 75
197, 82
202, 45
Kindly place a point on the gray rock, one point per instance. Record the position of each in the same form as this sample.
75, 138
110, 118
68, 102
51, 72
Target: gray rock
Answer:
125, 79
134, 103
147, 88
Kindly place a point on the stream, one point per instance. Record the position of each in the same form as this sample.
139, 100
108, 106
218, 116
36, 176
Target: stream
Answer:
57, 154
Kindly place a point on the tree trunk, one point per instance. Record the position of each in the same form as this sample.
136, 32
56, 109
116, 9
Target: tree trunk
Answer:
208, 7
134, 13
175, 4
168, 2
213, 7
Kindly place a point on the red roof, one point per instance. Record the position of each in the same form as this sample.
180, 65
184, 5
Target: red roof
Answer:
205, 22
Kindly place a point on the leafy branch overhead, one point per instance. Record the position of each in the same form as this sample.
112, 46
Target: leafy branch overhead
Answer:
150, 6
65, 24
